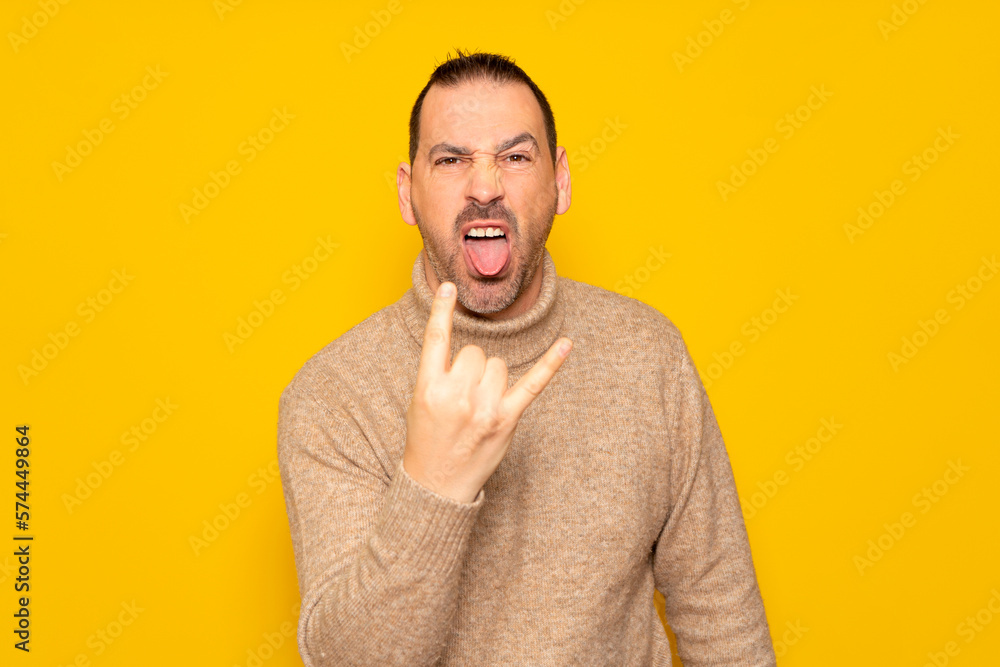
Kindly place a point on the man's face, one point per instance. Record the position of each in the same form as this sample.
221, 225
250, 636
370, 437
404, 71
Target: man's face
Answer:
483, 161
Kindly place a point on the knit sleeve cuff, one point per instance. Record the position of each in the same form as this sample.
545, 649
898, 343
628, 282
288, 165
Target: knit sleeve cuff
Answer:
425, 530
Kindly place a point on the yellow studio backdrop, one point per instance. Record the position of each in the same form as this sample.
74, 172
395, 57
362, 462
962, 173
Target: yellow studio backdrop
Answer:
198, 196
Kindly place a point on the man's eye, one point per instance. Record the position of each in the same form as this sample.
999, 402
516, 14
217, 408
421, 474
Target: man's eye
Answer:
442, 160
524, 158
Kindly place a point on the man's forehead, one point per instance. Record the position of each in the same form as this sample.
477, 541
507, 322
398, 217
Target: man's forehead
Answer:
483, 112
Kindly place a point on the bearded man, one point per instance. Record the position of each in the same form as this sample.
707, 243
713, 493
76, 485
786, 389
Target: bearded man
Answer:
502, 466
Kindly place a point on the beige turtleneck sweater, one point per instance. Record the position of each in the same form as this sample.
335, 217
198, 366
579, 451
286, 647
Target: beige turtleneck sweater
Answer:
616, 481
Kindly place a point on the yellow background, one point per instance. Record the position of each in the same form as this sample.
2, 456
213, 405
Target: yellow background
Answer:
654, 183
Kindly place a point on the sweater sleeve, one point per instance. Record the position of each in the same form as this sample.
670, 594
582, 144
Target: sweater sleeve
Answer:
378, 560
701, 560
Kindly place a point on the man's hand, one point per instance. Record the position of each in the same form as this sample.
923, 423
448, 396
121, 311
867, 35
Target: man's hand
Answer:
461, 420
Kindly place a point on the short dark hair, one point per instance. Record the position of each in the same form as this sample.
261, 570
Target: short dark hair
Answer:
465, 67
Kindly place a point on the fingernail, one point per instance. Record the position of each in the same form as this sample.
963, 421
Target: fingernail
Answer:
565, 347
447, 289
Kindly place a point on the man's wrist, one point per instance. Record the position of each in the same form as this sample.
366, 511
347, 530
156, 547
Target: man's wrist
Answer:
418, 474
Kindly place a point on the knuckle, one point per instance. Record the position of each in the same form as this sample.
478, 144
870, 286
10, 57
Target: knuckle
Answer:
474, 351
488, 421
463, 454
534, 387
460, 404
470, 357
435, 335
493, 421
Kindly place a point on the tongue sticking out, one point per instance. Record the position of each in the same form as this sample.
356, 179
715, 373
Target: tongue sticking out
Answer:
488, 255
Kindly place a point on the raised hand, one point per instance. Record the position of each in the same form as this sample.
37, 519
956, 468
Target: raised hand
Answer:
462, 417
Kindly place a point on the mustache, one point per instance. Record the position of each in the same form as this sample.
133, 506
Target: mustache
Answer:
493, 211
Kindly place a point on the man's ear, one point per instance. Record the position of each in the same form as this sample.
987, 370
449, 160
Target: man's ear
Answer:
564, 185
403, 183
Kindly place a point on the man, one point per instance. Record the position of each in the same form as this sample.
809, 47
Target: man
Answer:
464, 490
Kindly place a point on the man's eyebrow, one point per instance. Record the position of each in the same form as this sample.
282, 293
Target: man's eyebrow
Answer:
514, 141
449, 148
501, 147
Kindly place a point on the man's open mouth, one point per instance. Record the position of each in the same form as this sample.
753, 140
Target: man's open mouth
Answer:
486, 248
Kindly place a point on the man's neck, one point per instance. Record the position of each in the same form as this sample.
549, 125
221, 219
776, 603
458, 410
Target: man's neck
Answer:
521, 304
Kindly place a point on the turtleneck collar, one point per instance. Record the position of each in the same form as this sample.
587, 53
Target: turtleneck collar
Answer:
517, 340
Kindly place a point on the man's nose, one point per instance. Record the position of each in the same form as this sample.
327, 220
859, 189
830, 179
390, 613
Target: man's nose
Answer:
485, 180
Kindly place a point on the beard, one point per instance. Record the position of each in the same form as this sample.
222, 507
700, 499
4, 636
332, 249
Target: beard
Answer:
487, 294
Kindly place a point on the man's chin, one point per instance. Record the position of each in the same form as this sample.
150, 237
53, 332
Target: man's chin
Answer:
484, 299
487, 295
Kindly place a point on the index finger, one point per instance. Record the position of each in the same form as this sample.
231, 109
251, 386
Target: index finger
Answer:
519, 397
434, 356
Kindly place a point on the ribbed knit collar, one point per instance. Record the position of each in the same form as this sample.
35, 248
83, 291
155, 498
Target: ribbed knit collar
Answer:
518, 340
